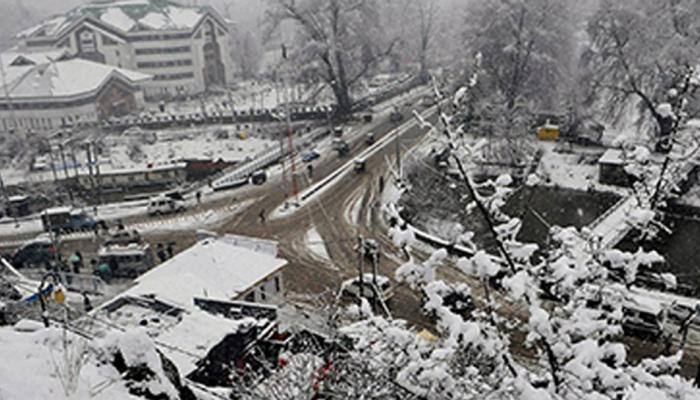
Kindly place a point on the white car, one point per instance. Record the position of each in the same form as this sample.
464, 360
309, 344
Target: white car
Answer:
351, 287
165, 205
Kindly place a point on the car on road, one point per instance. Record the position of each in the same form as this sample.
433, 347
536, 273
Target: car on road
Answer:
310, 156
351, 287
258, 177
66, 220
165, 205
34, 253
123, 238
341, 146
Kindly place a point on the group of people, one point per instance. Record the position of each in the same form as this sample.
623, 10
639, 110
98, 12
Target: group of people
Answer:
165, 252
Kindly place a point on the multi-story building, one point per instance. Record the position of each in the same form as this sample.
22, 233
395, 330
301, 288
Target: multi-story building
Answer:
185, 48
47, 91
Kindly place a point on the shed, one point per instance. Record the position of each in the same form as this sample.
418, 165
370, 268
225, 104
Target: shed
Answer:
611, 169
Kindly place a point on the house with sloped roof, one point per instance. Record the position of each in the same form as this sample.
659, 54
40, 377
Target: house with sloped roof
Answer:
47, 91
186, 48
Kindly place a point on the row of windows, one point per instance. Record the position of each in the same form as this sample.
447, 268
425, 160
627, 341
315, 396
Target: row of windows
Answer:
174, 77
156, 37
164, 50
161, 64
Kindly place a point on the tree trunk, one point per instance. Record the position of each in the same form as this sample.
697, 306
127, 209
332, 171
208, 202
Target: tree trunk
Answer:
343, 100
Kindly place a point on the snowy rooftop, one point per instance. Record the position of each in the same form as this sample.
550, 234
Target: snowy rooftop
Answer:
612, 156
212, 268
65, 78
124, 15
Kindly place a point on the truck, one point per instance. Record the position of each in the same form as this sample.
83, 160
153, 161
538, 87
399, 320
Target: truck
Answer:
66, 220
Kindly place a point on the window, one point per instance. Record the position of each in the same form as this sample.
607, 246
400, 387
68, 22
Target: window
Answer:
164, 50
174, 77
163, 64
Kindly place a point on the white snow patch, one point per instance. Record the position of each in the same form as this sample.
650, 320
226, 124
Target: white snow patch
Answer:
316, 245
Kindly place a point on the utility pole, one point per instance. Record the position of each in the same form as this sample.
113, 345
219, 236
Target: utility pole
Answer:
63, 160
53, 163
90, 170
4, 192
361, 270
290, 138
398, 154
290, 133
97, 172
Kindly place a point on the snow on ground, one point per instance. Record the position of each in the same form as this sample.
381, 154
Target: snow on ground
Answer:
188, 145
353, 208
315, 243
28, 356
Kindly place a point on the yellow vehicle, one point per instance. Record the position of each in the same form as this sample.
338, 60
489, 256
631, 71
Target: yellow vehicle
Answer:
548, 132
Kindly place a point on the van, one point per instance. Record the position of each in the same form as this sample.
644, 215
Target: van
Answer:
126, 261
643, 319
164, 205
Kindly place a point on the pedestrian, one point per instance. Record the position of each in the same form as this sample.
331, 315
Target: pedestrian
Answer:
262, 216
311, 171
120, 225
170, 249
104, 272
76, 262
199, 197
160, 252
87, 304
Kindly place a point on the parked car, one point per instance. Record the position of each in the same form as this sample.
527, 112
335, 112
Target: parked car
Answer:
643, 320
351, 287
310, 156
123, 238
34, 253
164, 205
679, 313
125, 261
65, 220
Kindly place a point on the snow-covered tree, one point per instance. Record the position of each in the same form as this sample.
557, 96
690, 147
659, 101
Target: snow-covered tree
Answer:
526, 47
337, 41
640, 54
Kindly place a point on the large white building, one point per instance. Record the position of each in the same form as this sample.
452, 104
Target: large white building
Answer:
47, 91
185, 48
